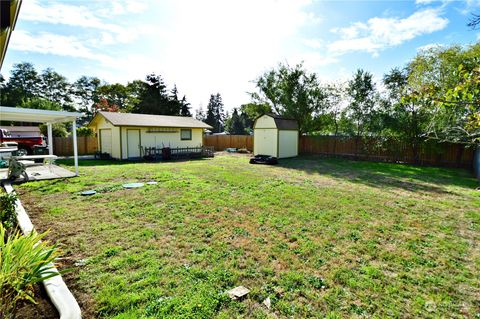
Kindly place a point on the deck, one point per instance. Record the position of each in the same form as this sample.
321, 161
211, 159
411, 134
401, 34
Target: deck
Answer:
41, 172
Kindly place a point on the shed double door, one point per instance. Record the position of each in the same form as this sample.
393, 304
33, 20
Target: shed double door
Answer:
133, 144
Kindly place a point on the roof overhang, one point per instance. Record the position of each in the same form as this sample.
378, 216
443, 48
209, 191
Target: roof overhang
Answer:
16, 114
9, 15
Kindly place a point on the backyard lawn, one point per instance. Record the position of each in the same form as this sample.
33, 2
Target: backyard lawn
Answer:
319, 237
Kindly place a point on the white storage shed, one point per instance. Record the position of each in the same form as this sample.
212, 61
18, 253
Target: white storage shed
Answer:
275, 136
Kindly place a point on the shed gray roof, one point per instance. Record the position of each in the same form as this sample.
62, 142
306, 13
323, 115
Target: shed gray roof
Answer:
133, 119
283, 123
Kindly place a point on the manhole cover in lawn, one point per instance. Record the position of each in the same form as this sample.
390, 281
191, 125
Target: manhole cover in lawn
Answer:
133, 185
88, 193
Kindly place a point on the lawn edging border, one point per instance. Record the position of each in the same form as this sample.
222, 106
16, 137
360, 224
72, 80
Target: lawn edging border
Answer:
61, 297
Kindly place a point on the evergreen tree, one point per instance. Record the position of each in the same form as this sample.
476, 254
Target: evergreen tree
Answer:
200, 115
174, 105
210, 116
234, 125
154, 99
215, 113
185, 107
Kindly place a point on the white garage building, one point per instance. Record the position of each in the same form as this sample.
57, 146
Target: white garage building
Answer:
275, 136
125, 135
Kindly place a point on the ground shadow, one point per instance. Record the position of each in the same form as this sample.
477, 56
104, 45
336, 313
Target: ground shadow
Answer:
105, 162
377, 174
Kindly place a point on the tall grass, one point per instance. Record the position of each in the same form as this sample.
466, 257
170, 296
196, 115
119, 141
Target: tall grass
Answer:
24, 261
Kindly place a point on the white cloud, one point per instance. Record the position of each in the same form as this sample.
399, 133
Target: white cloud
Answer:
313, 43
313, 60
203, 46
424, 1
48, 43
377, 34
427, 47
86, 17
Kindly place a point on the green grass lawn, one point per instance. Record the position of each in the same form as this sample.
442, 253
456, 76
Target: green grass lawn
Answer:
320, 237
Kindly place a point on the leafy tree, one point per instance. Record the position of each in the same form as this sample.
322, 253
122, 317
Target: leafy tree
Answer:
292, 92
110, 95
445, 78
254, 110
41, 104
85, 131
361, 92
406, 116
84, 91
215, 116
23, 84
474, 21
104, 105
458, 114
58, 129
56, 88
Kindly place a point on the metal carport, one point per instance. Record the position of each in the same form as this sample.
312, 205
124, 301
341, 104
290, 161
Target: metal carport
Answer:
17, 114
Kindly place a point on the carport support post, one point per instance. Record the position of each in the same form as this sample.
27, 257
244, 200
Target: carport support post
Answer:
50, 138
75, 150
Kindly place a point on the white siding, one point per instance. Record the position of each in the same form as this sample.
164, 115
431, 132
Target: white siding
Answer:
265, 121
149, 138
115, 135
105, 136
288, 144
265, 141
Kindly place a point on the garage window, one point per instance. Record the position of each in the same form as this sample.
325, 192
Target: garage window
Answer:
186, 134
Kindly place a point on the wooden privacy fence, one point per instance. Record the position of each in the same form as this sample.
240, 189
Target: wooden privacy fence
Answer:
63, 146
375, 149
221, 142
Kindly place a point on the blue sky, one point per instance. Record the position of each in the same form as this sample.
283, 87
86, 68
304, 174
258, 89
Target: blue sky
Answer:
221, 46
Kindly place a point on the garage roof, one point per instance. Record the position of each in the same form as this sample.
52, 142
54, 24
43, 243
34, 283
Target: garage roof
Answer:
17, 114
133, 119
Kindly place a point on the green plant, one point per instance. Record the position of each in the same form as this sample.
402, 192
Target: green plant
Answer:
85, 131
7, 209
24, 261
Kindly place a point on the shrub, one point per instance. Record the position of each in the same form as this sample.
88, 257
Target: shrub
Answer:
24, 261
7, 209
85, 131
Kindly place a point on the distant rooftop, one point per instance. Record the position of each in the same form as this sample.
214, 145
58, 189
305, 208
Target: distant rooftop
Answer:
134, 119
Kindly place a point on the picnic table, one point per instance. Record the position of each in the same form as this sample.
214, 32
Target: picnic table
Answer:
46, 158
18, 164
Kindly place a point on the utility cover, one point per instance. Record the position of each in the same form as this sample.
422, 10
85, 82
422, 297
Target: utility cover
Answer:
88, 193
133, 185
